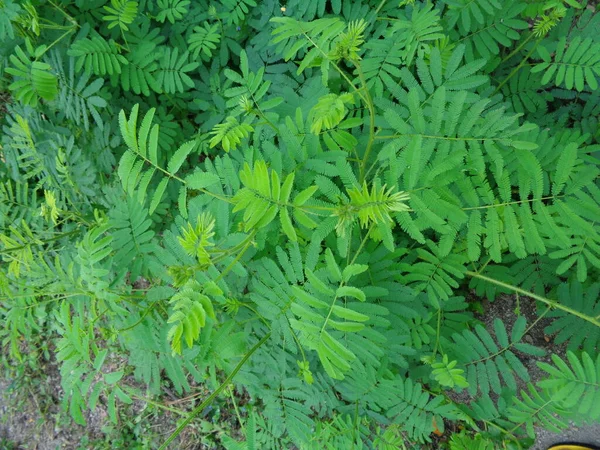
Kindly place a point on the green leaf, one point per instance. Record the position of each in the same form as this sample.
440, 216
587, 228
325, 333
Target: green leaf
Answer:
309, 299
286, 189
332, 265
524, 145
353, 270
201, 180
350, 291
158, 194
349, 314
113, 377
179, 157
100, 357
303, 196
319, 285
122, 396
286, 225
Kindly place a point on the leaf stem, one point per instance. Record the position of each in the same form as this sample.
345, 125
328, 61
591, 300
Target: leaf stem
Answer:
381, 4
369, 102
237, 258
60, 236
151, 402
516, 50
212, 396
553, 303
516, 69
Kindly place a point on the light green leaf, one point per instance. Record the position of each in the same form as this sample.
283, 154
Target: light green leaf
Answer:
350, 291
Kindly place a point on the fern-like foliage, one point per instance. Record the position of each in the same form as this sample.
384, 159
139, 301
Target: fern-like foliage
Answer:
191, 307
171, 75
523, 92
97, 56
79, 98
418, 31
92, 250
293, 36
237, 9
264, 197
371, 207
575, 63
138, 74
445, 373
203, 41
574, 386
535, 407
500, 29
435, 273
464, 441
389, 157
34, 80
230, 133
348, 43
172, 10
196, 240
401, 400
322, 322
133, 237
143, 149
289, 411
329, 112
251, 90
18, 202
81, 376
120, 13
384, 57
10, 11
467, 13
570, 329
488, 360
27, 157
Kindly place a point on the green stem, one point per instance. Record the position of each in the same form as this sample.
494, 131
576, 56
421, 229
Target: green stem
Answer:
151, 402
516, 69
437, 333
181, 180
369, 103
212, 396
516, 50
516, 202
57, 40
342, 283
237, 411
547, 301
261, 114
335, 66
69, 18
511, 344
125, 40
146, 312
379, 7
237, 258
505, 431
60, 236
222, 254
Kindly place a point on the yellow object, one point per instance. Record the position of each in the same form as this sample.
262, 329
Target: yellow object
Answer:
570, 447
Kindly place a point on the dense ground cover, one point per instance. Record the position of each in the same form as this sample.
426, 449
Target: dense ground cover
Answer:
264, 225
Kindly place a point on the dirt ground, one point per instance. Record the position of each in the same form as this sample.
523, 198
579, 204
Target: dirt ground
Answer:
504, 307
25, 424
22, 427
